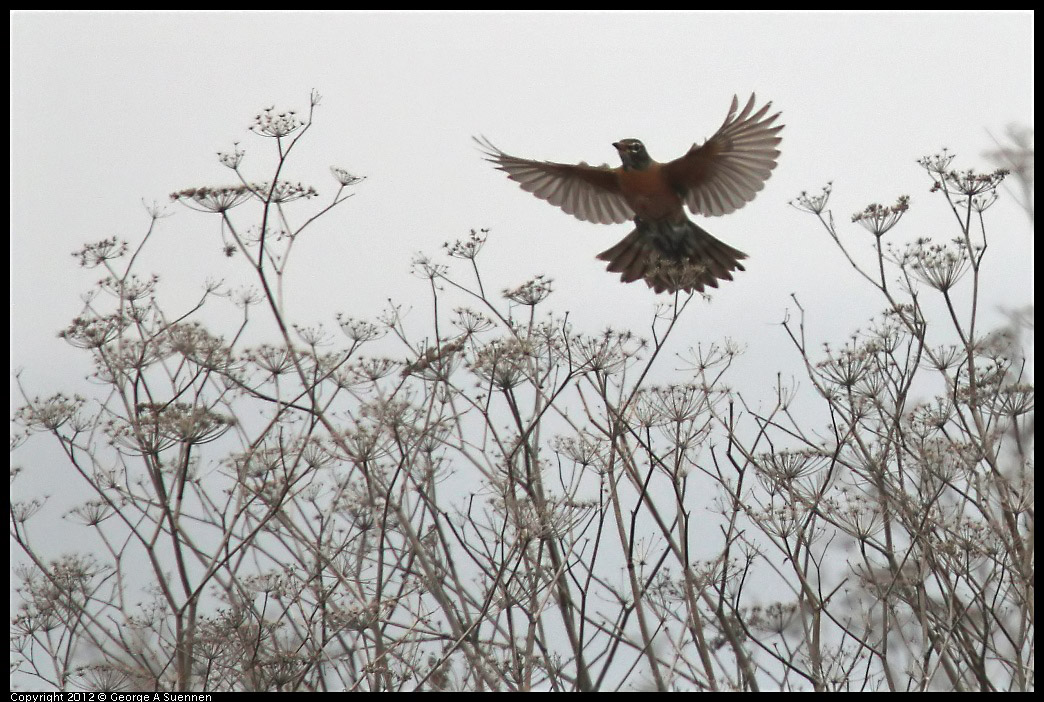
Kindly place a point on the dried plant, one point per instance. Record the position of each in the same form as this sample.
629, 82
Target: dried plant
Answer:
493, 500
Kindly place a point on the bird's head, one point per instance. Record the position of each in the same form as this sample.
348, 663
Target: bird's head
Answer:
633, 154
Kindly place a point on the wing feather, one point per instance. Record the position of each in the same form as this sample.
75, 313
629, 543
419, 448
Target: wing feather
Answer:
728, 170
590, 193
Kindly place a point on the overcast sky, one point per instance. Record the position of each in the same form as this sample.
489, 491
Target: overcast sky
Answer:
109, 109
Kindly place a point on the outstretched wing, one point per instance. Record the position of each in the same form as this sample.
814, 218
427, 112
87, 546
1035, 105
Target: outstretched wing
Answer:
727, 171
590, 193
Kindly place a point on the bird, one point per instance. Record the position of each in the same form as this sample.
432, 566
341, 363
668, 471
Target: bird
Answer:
666, 249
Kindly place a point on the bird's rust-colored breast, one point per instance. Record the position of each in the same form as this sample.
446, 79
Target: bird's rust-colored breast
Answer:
648, 193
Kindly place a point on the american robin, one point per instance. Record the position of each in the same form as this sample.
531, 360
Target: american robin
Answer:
666, 249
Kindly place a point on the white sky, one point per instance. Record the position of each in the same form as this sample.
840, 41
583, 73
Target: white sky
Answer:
108, 109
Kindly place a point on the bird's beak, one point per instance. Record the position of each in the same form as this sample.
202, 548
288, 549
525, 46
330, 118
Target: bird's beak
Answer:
616, 145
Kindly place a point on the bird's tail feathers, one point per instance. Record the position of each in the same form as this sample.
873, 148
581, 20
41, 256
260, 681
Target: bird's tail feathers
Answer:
673, 256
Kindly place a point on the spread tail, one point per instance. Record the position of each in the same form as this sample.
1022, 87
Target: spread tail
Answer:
673, 256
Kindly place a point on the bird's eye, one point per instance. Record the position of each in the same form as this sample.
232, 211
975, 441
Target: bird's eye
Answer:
635, 147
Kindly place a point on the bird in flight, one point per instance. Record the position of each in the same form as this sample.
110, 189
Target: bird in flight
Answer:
666, 249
